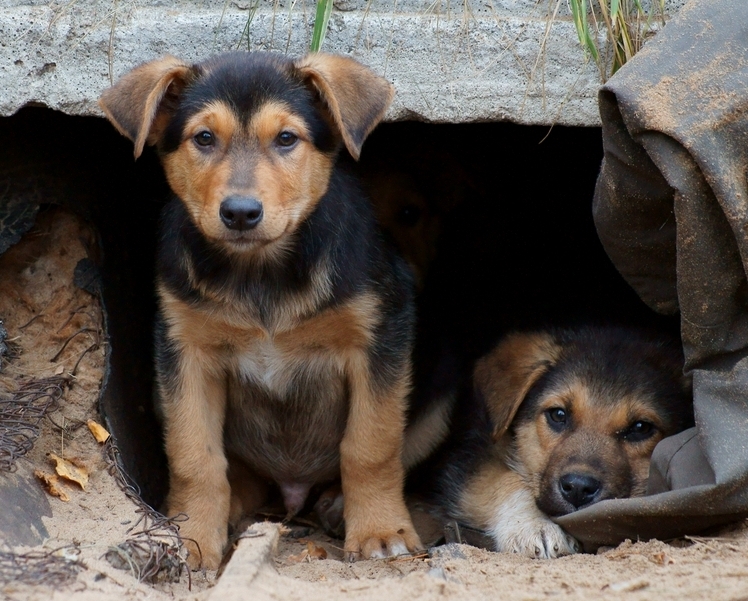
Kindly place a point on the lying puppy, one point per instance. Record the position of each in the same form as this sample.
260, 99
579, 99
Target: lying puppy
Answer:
571, 418
284, 328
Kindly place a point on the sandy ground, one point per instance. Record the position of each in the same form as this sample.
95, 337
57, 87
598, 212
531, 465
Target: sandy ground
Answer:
42, 310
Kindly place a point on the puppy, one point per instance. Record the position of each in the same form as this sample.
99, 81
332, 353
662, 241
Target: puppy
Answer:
284, 327
563, 420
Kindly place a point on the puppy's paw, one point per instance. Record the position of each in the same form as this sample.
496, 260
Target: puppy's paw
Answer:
520, 527
369, 545
211, 544
538, 537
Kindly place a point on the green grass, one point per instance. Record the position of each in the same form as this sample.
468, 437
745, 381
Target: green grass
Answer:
626, 24
321, 19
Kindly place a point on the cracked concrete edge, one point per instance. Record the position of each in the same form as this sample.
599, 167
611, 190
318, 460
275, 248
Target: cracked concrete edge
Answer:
252, 558
506, 63
505, 67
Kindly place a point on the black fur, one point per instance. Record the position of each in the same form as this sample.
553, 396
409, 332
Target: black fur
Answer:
623, 361
246, 81
291, 438
618, 362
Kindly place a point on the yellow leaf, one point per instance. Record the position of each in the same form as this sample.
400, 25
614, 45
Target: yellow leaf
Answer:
315, 551
66, 469
50, 482
298, 558
98, 431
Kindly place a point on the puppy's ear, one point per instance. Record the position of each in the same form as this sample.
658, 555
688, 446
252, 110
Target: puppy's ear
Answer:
356, 97
143, 100
506, 374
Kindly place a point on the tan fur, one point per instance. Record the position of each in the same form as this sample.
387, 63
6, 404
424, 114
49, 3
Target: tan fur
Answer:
371, 469
233, 361
243, 161
428, 431
197, 472
136, 104
506, 374
337, 329
498, 501
371, 465
541, 451
357, 98
248, 491
523, 473
492, 486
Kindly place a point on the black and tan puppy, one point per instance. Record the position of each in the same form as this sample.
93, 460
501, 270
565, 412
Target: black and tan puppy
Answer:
285, 324
569, 418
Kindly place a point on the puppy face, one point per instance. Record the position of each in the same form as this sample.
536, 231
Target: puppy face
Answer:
248, 140
580, 441
404, 212
247, 180
586, 409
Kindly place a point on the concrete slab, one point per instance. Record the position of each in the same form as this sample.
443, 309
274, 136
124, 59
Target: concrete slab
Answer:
475, 60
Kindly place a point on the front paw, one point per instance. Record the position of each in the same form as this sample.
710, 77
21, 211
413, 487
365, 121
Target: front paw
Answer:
380, 544
534, 536
204, 547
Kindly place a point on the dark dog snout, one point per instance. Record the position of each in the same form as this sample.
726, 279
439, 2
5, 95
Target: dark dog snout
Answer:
241, 212
579, 489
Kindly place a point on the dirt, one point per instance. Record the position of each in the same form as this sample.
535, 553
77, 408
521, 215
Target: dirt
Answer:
43, 312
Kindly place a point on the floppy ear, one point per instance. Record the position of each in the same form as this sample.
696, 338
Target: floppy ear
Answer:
142, 101
506, 374
356, 96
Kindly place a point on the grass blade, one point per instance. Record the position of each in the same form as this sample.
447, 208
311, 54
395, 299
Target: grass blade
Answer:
321, 18
579, 14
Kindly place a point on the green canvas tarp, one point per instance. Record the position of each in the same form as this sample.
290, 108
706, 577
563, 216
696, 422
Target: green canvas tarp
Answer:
671, 209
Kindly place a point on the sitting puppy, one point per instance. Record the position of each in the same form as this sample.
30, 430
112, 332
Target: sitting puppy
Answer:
284, 328
562, 420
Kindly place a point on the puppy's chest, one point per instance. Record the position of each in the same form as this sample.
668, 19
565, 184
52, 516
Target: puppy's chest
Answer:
288, 392
287, 386
287, 409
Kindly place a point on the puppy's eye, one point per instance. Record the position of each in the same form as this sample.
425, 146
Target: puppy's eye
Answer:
204, 138
557, 418
409, 215
286, 139
638, 431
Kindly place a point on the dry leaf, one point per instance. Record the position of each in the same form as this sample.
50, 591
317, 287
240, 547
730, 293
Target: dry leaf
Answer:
99, 432
51, 482
60, 370
662, 559
68, 470
315, 551
298, 558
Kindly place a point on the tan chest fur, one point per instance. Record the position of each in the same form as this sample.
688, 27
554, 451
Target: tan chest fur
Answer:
286, 387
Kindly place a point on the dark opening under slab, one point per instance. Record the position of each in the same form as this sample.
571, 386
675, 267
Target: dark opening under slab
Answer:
516, 245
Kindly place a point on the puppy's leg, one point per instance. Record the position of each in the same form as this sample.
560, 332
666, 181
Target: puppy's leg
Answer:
193, 397
497, 501
329, 510
377, 522
248, 492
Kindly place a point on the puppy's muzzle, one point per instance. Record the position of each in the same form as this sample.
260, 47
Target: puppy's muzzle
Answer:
579, 489
241, 212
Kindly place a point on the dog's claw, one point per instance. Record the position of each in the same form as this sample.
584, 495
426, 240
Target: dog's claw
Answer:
401, 542
537, 537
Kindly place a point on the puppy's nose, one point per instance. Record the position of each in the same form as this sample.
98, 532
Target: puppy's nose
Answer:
241, 212
579, 489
